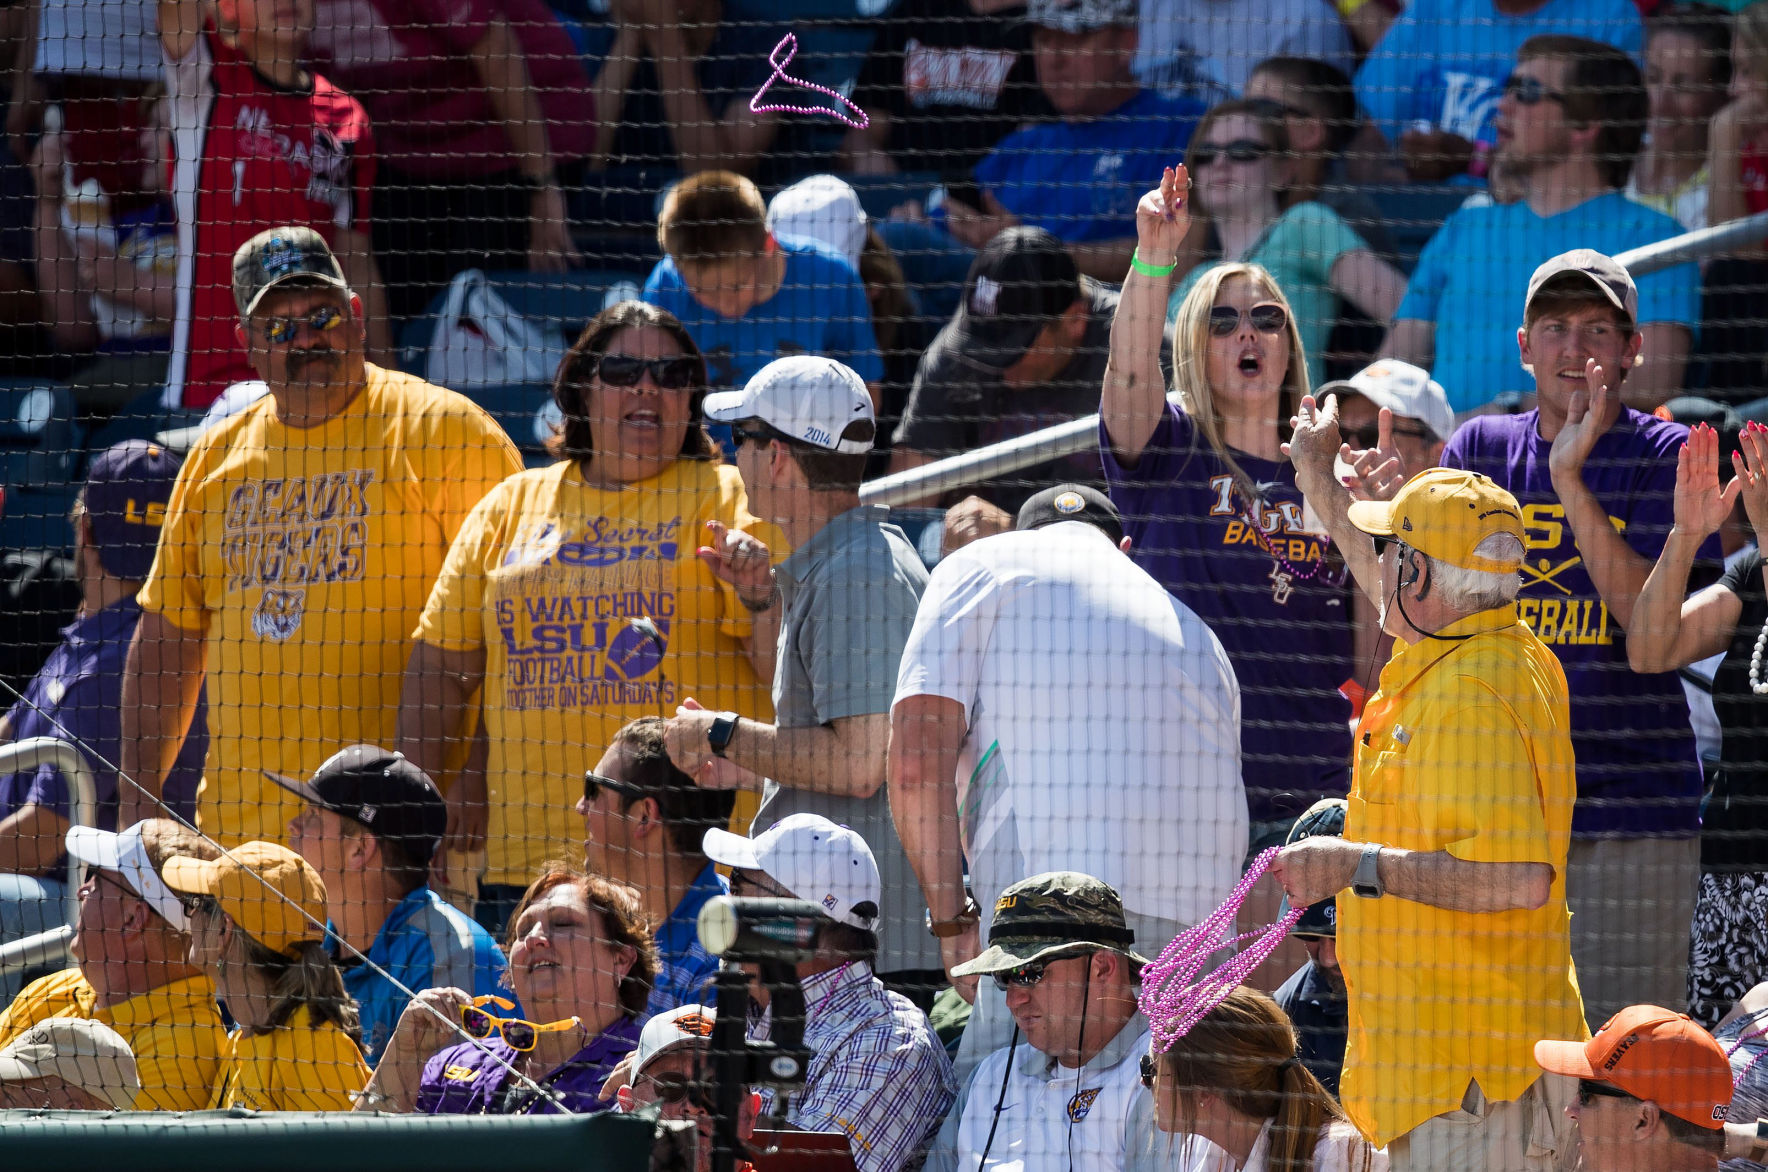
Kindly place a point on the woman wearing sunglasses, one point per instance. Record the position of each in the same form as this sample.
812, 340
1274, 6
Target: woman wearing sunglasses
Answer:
1210, 504
581, 963
574, 596
1240, 164
1234, 1081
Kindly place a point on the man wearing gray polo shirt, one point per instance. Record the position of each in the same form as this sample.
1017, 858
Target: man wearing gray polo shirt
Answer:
850, 589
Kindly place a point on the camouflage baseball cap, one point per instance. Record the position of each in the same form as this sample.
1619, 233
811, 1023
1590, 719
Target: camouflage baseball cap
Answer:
1080, 16
1049, 916
277, 256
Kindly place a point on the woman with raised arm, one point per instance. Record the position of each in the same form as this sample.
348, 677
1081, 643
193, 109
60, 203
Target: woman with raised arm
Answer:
1669, 631
1211, 504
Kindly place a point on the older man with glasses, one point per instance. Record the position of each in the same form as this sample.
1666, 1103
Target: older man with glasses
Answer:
671, 1070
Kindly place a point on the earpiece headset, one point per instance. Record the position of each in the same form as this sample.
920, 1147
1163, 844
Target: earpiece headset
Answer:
1411, 576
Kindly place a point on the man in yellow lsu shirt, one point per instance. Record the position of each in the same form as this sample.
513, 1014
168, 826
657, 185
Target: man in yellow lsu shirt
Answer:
134, 975
1456, 946
299, 545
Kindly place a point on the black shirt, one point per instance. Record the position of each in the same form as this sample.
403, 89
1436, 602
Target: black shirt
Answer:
1734, 824
1321, 1015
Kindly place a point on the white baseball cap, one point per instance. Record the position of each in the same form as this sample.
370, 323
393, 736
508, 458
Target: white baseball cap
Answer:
83, 1053
814, 859
685, 1025
126, 854
1403, 389
822, 208
805, 396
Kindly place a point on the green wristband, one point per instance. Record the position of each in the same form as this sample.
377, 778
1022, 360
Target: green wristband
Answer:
1148, 270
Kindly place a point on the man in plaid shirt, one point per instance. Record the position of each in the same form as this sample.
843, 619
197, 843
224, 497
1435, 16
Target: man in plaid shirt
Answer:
877, 1072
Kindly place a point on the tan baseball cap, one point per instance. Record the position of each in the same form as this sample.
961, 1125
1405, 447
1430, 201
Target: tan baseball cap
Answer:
82, 1053
1607, 274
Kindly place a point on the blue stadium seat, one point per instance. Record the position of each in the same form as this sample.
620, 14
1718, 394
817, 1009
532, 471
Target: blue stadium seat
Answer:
143, 417
41, 441
878, 194
38, 518
526, 412
568, 300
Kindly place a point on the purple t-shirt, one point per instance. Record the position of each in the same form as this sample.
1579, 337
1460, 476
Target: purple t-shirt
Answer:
1638, 771
466, 1080
1275, 596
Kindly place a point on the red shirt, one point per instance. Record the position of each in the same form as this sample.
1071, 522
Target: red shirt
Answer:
411, 62
1752, 173
249, 155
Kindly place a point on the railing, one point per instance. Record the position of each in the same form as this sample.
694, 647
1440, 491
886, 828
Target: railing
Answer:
51, 947
1066, 439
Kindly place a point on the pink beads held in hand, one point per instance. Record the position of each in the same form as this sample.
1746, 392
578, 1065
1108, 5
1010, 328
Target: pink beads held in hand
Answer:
1177, 992
789, 45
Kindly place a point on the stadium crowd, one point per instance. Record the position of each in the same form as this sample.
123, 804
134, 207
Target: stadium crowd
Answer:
471, 424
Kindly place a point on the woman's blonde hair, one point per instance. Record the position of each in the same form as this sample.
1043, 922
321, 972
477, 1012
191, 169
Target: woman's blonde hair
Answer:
1191, 363
1243, 1053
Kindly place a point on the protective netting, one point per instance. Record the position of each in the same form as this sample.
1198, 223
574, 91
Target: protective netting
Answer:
520, 515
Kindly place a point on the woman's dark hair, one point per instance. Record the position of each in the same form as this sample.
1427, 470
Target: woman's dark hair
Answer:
887, 290
623, 920
1706, 26
688, 811
572, 439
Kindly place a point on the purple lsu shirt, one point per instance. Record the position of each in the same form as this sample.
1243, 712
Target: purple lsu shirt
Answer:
1285, 624
1638, 771
469, 1080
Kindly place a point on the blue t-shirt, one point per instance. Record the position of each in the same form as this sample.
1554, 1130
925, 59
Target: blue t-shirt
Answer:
1080, 180
820, 308
424, 944
684, 967
1473, 274
77, 696
1444, 61
1638, 772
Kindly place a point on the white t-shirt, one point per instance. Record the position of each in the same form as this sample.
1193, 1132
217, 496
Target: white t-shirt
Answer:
1104, 721
1340, 1149
1206, 49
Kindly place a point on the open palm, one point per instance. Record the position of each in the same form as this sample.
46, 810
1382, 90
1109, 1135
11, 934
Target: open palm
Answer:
1701, 506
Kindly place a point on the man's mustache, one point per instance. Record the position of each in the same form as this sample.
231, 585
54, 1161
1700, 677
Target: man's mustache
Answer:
299, 359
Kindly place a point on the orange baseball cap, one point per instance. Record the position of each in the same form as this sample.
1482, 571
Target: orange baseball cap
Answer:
1651, 1053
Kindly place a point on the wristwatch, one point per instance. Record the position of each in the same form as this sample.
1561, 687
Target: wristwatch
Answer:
946, 929
1366, 882
724, 727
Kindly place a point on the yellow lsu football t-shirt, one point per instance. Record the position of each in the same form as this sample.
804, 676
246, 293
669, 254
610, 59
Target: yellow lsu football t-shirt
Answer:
550, 577
306, 554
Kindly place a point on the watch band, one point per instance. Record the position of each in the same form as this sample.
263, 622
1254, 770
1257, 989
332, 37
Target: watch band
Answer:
718, 737
1366, 882
946, 929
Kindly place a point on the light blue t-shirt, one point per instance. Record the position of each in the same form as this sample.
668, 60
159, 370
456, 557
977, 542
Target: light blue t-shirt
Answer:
1080, 181
1473, 275
1445, 61
820, 308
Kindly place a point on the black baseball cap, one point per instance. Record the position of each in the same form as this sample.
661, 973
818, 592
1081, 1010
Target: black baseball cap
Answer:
1324, 818
1023, 280
1071, 502
382, 791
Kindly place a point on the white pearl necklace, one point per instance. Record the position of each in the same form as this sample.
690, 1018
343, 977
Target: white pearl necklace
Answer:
1756, 684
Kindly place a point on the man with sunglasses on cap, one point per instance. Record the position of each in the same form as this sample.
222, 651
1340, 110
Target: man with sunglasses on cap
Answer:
132, 948
299, 548
370, 828
877, 1072
1455, 939
847, 597
1066, 1093
1653, 1092
671, 1070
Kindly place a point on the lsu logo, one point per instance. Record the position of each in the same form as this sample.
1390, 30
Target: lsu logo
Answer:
1070, 502
454, 1073
694, 1024
1005, 902
279, 614
1081, 1104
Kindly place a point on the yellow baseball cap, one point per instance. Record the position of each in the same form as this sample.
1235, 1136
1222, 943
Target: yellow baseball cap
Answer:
270, 891
1446, 513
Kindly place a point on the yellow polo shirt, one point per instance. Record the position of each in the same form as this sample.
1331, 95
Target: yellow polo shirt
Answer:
174, 1030
1466, 748
295, 1067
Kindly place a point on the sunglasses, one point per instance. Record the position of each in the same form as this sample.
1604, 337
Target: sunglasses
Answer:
742, 883
1381, 543
594, 783
1271, 107
1370, 436
671, 374
1241, 150
1023, 977
1589, 1090
753, 435
522, 1036
280, 331
96, 875
1266, 319
1529, 91
679, 1088
1149, 1071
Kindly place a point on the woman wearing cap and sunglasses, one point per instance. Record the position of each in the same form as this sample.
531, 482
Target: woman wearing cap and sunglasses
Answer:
581, 962
574, 596
1235, 1081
